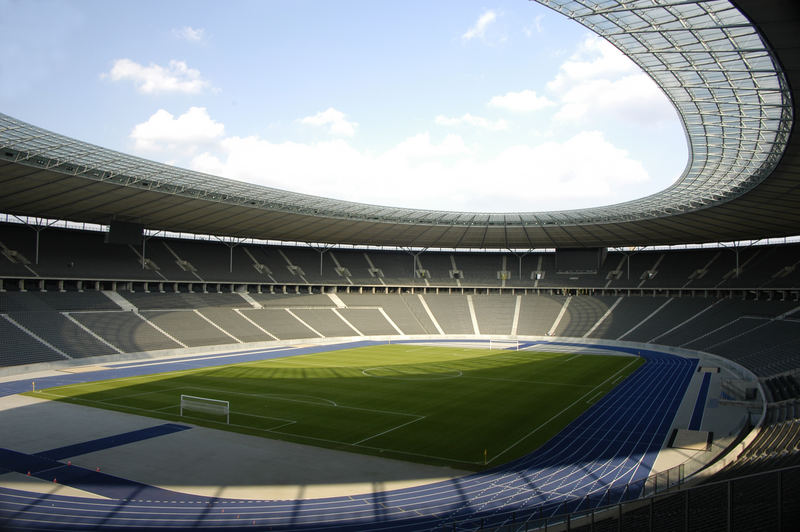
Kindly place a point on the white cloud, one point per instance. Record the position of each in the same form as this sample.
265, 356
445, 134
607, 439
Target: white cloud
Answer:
479, 28
317, 168
424, 172
520, 102
420, 147
335, 120
471, 120
535, 27
334, 168
595, 58
554, 174
633, 98
151, 79
185, 134
187, 33
599, 83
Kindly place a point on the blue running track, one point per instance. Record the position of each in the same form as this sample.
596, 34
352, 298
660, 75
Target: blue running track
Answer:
602, 457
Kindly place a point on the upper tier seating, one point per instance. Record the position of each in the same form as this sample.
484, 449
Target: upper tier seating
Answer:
55, 301
179, 300
82, 255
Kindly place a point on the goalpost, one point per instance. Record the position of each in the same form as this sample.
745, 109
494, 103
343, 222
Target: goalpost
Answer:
207, 405
509, 345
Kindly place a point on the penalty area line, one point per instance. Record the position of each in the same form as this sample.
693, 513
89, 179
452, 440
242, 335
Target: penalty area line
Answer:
90, 402
292, 437
283, 422
389, 430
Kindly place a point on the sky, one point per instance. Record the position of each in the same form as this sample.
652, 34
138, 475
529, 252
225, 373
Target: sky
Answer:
491, 106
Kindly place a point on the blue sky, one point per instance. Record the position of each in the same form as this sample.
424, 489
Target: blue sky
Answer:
459, 105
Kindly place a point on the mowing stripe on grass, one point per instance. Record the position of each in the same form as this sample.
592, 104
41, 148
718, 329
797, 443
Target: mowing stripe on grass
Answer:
500, 379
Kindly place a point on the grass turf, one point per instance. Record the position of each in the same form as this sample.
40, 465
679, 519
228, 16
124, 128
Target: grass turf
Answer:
463, 408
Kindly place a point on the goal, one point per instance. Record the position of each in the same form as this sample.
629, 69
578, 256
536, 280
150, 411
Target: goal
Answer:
508, 345
206, 405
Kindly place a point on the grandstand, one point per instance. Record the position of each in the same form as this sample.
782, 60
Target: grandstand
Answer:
665, 291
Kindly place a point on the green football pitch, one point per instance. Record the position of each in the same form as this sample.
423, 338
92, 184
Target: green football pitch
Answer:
458, 407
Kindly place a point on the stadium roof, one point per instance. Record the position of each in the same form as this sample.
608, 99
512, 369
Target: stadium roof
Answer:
728, 69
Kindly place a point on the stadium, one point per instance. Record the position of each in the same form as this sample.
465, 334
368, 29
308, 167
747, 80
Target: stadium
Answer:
305, 363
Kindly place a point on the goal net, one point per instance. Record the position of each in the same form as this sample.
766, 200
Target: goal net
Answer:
206, 405
508, 345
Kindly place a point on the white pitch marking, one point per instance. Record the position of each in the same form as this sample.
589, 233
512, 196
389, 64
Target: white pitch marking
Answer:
318, 404
291, 398
592, 398
299, 436
166, 390
389, 430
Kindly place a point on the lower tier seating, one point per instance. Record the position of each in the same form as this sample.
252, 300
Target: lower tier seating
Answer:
761, 335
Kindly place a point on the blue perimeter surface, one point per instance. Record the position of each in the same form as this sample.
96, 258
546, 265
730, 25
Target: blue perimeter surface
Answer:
99, 444
700, 405
602, 457
97, 482
46, 466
